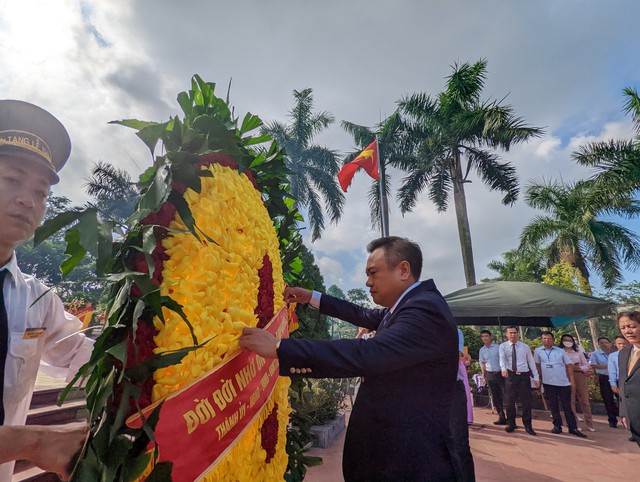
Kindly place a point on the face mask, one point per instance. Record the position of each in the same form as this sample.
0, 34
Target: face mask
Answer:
568, 344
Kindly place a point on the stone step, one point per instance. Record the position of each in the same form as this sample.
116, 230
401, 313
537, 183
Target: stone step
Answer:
70, 411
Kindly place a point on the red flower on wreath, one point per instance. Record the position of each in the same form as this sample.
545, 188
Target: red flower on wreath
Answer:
269, 434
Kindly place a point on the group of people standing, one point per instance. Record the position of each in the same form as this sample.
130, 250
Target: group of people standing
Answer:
511, 370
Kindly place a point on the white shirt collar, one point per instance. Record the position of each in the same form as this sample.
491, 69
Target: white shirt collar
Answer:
403, 295
12, 268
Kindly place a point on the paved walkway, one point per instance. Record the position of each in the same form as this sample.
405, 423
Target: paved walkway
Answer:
606, 456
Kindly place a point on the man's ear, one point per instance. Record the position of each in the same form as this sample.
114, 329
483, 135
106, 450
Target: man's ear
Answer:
405, 270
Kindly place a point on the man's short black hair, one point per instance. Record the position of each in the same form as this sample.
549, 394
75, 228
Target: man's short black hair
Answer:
603, 338
620, 336
485, 331
512, 328
396, 250
546, 333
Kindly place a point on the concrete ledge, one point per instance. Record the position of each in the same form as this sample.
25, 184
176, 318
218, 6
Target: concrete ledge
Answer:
328, 432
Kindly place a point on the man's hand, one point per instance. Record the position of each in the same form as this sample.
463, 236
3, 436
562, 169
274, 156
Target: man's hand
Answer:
624, 421
259, 341
615, 390
294, 294
505, 374
536, 383
58, 448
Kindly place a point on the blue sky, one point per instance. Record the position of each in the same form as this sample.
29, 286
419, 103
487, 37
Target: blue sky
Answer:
563, 66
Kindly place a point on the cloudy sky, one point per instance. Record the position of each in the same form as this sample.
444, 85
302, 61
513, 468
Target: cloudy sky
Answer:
562, 65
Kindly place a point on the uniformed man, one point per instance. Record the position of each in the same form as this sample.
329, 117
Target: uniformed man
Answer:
34, 146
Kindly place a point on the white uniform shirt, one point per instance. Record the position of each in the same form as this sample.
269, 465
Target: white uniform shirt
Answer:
553, 364
39, 329
524, 358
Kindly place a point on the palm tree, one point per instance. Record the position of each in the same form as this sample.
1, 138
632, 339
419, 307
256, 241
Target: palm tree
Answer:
519, 266
618, 161
313, 169
395, 150
454, 127
113, 192
576, 233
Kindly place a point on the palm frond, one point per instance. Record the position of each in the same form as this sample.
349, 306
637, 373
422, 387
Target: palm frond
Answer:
632, 106
497, 176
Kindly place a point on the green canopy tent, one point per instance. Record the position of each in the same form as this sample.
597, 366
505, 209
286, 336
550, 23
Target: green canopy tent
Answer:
524, 304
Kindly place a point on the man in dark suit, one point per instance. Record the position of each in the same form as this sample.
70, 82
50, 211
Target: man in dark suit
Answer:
399, 426
629, 367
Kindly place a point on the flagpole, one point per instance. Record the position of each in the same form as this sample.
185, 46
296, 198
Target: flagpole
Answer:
384, 209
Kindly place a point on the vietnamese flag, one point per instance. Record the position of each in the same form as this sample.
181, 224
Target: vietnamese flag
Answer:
367, 159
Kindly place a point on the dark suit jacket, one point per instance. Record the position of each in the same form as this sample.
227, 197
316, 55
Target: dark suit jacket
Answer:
399, 426
629, 384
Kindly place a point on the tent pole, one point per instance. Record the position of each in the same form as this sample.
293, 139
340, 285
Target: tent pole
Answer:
500, 325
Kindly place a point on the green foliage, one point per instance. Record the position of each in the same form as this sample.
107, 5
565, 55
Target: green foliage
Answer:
625, 295
520, 266
336, 292
566, 276
574, 229
472, 341
44, 260
208, 126
322, 399
359, 296
617, 161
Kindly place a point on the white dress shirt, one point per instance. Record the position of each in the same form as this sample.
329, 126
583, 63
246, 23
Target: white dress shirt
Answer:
39, 329
524, 358
553, 364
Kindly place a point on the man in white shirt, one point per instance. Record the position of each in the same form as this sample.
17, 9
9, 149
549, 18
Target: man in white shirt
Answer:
33, 324
489, 358
599, 361
518, 369
554, 366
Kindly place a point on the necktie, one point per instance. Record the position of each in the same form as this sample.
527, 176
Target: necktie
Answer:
514, 358
4, 342
633, 359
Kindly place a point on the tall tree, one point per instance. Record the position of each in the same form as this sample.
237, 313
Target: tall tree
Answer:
457, 132
518, 266
312, 169
576, 233
395, 150
617, 161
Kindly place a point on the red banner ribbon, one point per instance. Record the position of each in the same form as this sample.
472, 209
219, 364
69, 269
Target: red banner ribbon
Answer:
200, 422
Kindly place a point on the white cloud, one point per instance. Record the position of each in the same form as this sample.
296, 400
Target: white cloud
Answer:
91, 62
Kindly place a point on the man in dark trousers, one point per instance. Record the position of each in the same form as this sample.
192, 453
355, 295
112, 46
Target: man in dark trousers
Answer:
399, 426
519, 369
629, 366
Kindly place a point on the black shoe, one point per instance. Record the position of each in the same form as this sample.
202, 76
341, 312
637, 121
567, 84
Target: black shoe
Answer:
530, 431
613, 424
510, 428
632, 439
577, 433
500, 421
557, 429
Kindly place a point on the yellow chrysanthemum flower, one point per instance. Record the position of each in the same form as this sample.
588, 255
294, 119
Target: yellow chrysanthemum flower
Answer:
217, 284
